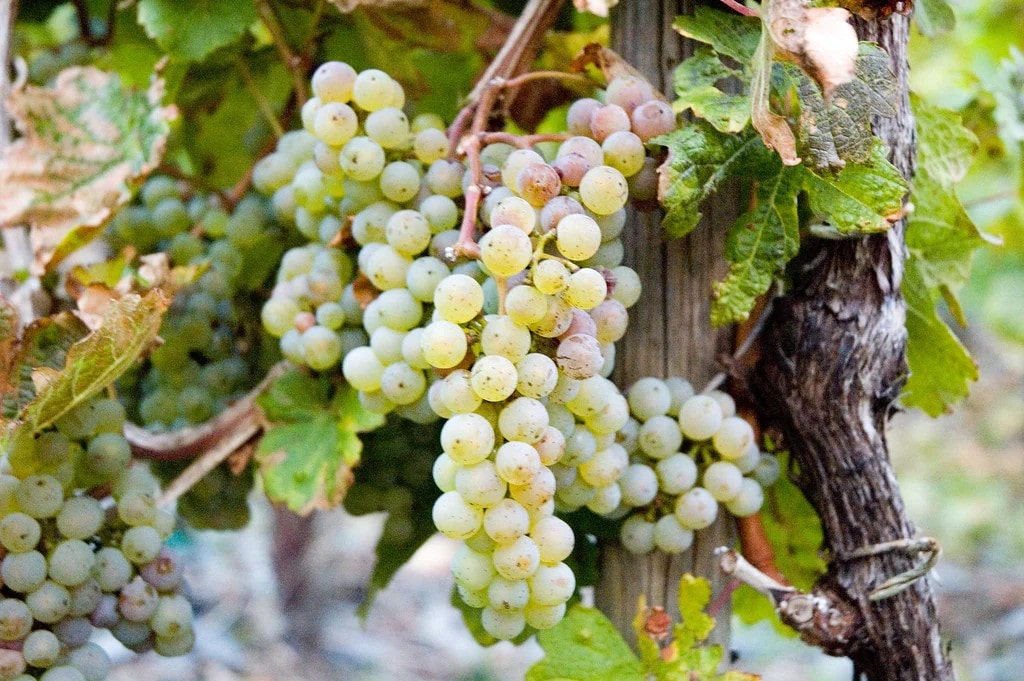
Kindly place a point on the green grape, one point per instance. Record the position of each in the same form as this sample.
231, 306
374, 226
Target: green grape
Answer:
41, 496
49, 603
321, 347
430, 144
136, 507
335, 123
71, 562
19, 532
91, 660
172, 617
400, 181
15, 620
111, 569
362, 159
52, 448
107, 454
388, 126
333, 81
141, 544
170, 217
372, 90
41, 648
157, 189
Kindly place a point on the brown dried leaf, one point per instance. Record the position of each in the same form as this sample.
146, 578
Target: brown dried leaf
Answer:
84, 141
774, 129
818, 39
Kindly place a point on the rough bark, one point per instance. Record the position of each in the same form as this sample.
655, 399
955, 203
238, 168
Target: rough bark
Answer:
833, 364
670, 332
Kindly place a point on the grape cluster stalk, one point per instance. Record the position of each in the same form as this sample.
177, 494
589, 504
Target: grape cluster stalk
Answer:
74, 561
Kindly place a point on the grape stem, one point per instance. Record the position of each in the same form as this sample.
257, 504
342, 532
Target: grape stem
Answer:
261, 102
521, 141
295, 63
740, 8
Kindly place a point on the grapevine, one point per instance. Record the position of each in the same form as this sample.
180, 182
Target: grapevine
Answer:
307, 282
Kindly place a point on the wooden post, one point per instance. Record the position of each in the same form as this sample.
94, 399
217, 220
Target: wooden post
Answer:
670, 332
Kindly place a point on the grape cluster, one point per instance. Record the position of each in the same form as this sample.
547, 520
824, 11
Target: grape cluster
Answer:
211, 346
509, 338
690, 453
72, 563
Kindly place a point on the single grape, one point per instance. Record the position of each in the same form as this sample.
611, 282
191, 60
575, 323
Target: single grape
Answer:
603, 190
455, 518
578, 237
700, 417
333, 81
696, 508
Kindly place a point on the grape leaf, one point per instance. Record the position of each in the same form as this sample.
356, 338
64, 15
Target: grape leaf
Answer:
130, 325
44, 343
834, 131
819, 39
727, 32
940, 366
933, 17
699, 159
941, 239
231, 112
694, 625
695, 83
306, 458
862, 198
190, 31
84, 141
758, 247
585, 646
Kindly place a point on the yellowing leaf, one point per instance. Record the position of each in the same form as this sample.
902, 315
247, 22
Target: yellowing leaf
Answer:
129, 326
84, 141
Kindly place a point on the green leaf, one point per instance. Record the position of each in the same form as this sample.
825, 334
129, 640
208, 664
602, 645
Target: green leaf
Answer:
130, 324
306, 459
940, 367
189, 31
758, 246
229, 130
699, 159
695, 84
85, 141
933, 17
728, 32
941, 240
585, 646
859, 199
695, 625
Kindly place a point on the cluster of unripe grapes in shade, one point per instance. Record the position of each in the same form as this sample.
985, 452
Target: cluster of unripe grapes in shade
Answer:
503, 323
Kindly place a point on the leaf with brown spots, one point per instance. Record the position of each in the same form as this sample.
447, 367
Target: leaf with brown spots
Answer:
84, 142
